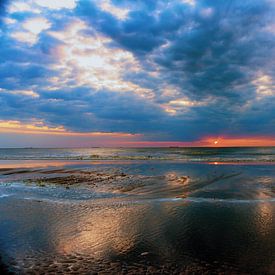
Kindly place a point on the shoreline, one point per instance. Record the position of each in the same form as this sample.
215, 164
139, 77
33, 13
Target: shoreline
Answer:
32, 163
144, 180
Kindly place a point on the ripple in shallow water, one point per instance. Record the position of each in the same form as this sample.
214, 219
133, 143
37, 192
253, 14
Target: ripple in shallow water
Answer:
174, 219
159, 236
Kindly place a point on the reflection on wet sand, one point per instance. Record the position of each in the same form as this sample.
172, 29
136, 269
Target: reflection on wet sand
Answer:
175, 218
103, 232
163, 236
265, 212
31, 164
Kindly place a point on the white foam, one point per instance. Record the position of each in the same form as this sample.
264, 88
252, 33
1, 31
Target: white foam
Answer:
4, 195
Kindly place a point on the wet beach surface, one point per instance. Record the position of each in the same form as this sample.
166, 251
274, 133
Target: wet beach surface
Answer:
140, 217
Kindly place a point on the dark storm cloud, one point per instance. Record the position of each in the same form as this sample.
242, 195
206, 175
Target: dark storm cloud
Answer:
212, 48
222, 51
142, 31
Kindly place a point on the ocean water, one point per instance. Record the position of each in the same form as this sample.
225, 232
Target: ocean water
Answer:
234, 154
145, 211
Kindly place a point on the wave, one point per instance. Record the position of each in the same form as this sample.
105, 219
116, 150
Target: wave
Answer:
244, 154
215, 200
147, 158
151, 200
4, 195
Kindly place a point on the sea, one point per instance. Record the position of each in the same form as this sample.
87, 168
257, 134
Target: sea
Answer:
192, 154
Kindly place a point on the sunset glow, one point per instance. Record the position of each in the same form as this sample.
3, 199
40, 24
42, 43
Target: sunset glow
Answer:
240, 141
125, 139
41, 129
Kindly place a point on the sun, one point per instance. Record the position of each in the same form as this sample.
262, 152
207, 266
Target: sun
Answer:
216, 142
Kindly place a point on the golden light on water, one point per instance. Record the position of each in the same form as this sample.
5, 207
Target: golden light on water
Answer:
101, 232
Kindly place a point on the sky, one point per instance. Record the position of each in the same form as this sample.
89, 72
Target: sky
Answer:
137, 73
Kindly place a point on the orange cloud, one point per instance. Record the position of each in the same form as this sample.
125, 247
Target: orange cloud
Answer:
13, 126
129, 140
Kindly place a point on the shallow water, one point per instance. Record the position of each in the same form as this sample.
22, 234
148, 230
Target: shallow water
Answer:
176, 217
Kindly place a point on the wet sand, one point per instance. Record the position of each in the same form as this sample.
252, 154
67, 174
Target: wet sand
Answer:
137, 218
3, 268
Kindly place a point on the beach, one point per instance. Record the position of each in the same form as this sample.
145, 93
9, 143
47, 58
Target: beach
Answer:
137, 137
139, 211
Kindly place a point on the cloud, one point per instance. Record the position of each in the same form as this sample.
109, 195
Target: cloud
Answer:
36, 25
19, 6
168, 70
120, 13
20, 92
31, 29
56, 5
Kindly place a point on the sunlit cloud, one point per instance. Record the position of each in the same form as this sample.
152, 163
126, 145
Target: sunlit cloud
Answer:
189, 2
38, 127
9, 21
31, 29
25, 37
36, 25
186, 102
30, 93
182, 104
264, 85
37, 6
170, 91
56, 4
115, 11
20, 6
170, 111
90, 62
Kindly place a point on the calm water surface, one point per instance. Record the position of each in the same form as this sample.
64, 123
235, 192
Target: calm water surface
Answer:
220, 220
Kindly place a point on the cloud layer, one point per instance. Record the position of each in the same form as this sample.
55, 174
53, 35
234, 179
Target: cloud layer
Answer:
167, 70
